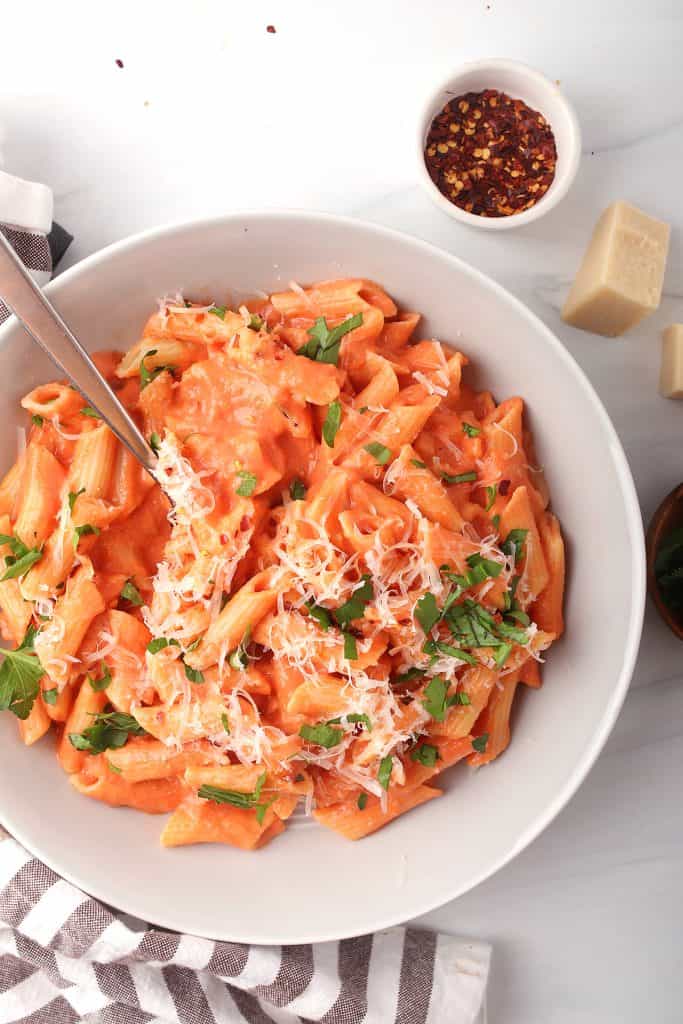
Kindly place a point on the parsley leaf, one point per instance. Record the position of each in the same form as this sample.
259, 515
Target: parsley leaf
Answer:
146, 375
19, 565
225, 722
491, 493
434, 647
407, 677
458, 698
354, 608
247, 484
129, 592
159, 643
418, 463
385, 768
83, 531
350, 647
256, 322
425, 754
20, 673
219, 311
154, 442
479, 743
109, 731
495, 521
297, 489
193, 674
514, 544
236, 798
379, 452
238, 659
490, 567
36, 420
72, 497
332, 423
322, 734
104, 680
50, 696
321, 615
88, 410
362, 801
427, 611
434, 699
324, 343
354, 718
470, 430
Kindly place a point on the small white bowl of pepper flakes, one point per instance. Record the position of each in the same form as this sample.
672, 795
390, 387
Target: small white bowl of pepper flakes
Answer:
498, 145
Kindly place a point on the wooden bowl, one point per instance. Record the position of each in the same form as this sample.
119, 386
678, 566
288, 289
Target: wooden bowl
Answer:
668, 517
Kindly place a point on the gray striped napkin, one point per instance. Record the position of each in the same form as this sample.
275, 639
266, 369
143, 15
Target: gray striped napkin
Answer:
65, 958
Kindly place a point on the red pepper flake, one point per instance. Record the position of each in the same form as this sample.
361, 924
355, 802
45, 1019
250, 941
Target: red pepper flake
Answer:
271, 29
224, 538
490, 154
503, 487
119, 62
245, 523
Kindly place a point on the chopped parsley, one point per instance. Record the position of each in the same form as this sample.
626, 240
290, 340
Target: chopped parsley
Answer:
225, 722
332, 423
470, 430
21, 559
129, 592
154, 442
239, 659
36, 420
418, 463
50, 696
459, 478
354, 608
112, 767
103, 681
427, 611
147, 375
323, 735
297, 489
495, 521
193, 674
72, 497
159, 643
20, 674
407, 677
425, 754
379, 452
256, 322
362, 801
324, 343
84, 531
385, 768
479, 743
350, 647
88, 410
491, 493
436, 647
352, 719
247, 484
219, 311
109, 731
434, 698
321, 615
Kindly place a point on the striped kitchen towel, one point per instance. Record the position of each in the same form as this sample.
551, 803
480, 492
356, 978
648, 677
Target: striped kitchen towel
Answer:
66, 958
26, 222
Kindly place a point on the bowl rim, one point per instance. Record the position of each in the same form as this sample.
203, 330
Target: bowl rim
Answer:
596, 742
560, 185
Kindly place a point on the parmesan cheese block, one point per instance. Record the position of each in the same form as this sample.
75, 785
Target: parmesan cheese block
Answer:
620, 279
671, 376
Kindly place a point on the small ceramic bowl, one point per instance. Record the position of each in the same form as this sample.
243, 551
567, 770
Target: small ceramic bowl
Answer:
539, 93
668, 517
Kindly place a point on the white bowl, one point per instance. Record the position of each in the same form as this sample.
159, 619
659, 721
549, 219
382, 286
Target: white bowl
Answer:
311, 884
538, 92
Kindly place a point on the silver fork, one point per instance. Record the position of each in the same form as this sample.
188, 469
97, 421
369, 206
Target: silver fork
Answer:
44, 324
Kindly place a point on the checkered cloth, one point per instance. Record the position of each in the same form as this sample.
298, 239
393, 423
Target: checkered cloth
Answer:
64, 957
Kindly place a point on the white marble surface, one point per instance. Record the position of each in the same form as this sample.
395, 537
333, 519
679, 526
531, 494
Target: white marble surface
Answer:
212, 113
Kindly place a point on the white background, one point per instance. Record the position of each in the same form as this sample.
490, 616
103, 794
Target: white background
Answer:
211, 113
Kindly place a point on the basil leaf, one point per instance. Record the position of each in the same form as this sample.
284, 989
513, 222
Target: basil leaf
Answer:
379, 452
321, 734
479, 743
324, 343
129, 592
427, 612
332, 423
247, 485
425, 754
384, 774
